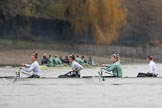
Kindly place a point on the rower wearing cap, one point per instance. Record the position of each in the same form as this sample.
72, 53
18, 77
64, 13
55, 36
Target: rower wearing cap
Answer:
152, 68
115, 68
34, 67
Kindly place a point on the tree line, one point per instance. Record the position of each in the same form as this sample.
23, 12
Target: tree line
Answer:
121, 22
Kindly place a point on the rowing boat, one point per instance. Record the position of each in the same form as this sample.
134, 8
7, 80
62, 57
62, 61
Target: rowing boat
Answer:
12, 77
109, 75
83, 77
81, 81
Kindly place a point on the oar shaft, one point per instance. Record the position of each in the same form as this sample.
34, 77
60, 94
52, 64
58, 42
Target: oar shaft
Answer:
25, 73
17, 75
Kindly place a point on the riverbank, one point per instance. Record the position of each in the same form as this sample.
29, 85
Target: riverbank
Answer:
15, 57
12, 50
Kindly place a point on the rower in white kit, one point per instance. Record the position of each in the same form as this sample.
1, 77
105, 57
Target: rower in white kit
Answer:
153, 72
76, 68
34, 67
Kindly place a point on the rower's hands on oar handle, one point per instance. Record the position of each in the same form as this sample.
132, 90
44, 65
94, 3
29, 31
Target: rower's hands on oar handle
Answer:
105, 65
22, 65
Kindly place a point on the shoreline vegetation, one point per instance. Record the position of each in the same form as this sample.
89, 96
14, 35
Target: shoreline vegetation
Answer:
16, 57
13, 53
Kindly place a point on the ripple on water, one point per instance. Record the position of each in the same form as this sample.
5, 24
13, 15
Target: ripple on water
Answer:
83, 93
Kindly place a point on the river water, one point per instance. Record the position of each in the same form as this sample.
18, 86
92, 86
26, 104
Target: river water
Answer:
81, 93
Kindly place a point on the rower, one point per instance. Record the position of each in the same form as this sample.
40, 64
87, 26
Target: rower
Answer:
57, 61
90, 61
115, 68
45, 60
76, 68
79, 60
51, 61
152, 68
34, 67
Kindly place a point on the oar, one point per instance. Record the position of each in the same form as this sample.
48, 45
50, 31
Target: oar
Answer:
65, 74
109, 73
100, 76
17, 76
25, 73
70, 72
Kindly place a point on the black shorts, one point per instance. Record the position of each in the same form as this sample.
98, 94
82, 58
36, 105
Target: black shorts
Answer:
34, 76
146, 75
71, 74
